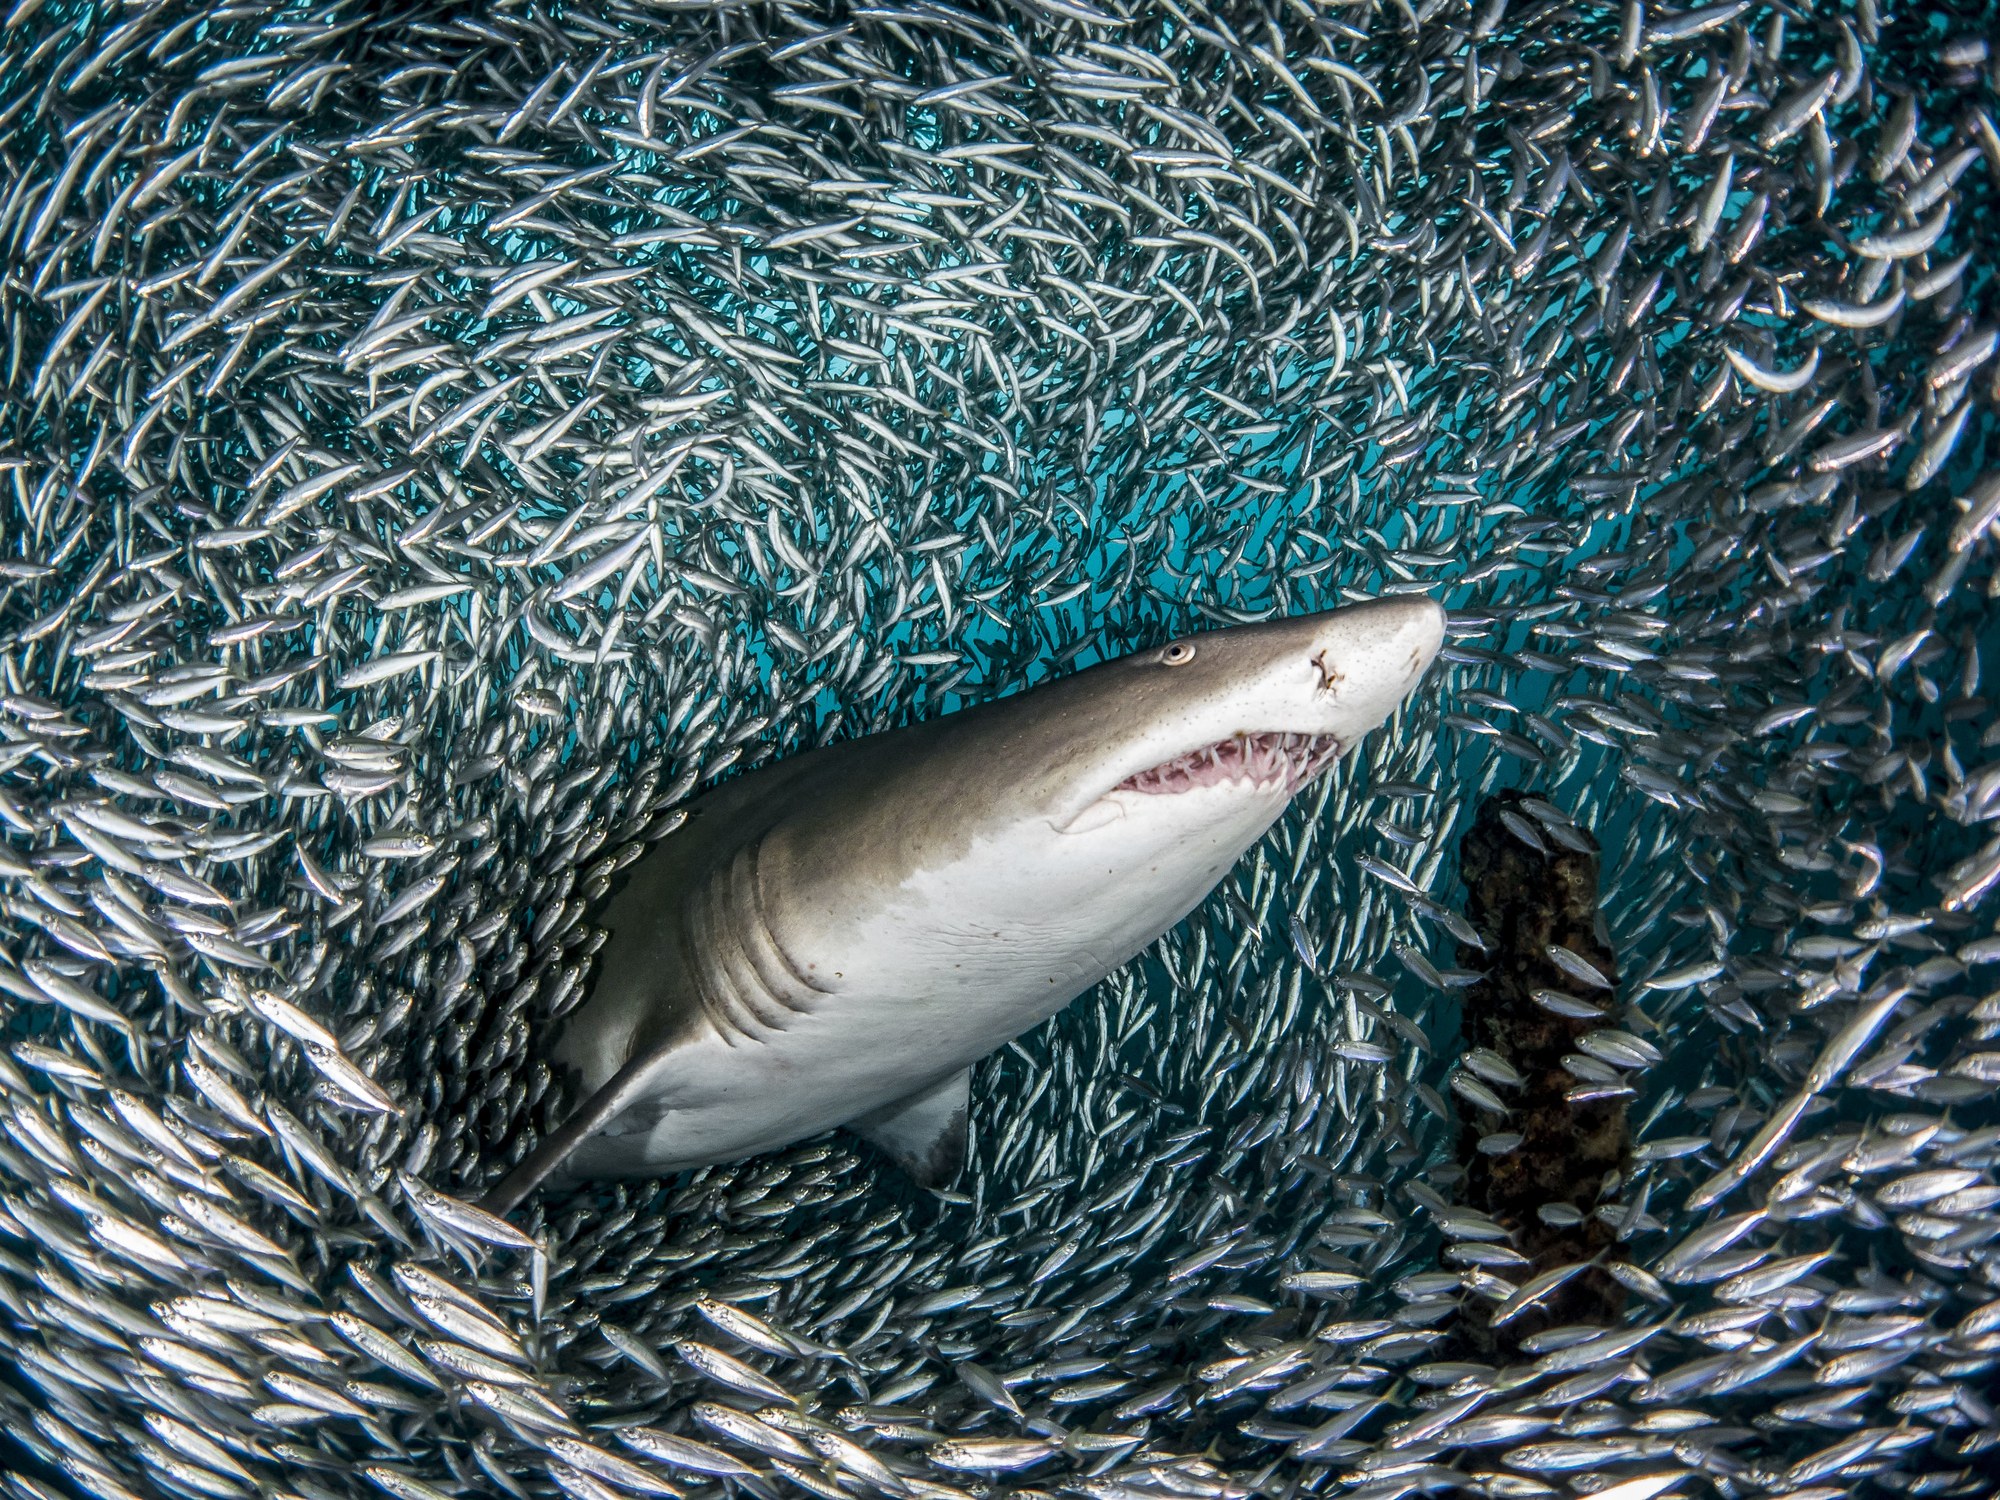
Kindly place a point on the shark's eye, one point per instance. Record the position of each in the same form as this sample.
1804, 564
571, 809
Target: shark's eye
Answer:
1179, 654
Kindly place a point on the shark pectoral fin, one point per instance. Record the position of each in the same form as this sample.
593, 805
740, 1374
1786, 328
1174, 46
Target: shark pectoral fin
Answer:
923, 1133
599, 1110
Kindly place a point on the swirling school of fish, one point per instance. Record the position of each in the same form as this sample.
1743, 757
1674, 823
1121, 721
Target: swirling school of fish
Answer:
435, 441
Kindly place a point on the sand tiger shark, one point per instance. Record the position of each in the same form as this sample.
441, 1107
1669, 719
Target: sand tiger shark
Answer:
834, 939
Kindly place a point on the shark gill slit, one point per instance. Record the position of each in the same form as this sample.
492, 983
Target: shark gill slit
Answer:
794, 988
737, 932
704, 959
736, 939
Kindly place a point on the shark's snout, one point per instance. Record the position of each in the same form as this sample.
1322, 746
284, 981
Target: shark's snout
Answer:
1368, 656
1262, 709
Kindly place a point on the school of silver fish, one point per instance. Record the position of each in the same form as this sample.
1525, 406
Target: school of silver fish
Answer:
437, 440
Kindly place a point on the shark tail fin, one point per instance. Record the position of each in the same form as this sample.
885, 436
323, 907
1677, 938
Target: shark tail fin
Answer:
592, 1116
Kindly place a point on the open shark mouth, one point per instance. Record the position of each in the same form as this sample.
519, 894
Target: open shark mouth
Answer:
1288, 760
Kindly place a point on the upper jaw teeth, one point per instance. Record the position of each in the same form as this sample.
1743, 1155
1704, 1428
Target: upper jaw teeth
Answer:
1269, 759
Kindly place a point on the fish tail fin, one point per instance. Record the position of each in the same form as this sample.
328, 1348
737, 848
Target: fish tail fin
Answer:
592, 1116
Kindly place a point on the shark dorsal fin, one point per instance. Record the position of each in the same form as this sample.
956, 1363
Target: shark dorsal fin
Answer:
923, 1133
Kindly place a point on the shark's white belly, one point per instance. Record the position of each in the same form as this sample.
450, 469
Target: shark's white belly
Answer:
961, 962
729, 1100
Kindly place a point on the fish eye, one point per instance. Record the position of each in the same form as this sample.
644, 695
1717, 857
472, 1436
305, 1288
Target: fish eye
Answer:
1179, 654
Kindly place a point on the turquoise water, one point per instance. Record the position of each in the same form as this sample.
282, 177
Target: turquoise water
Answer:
919, 362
